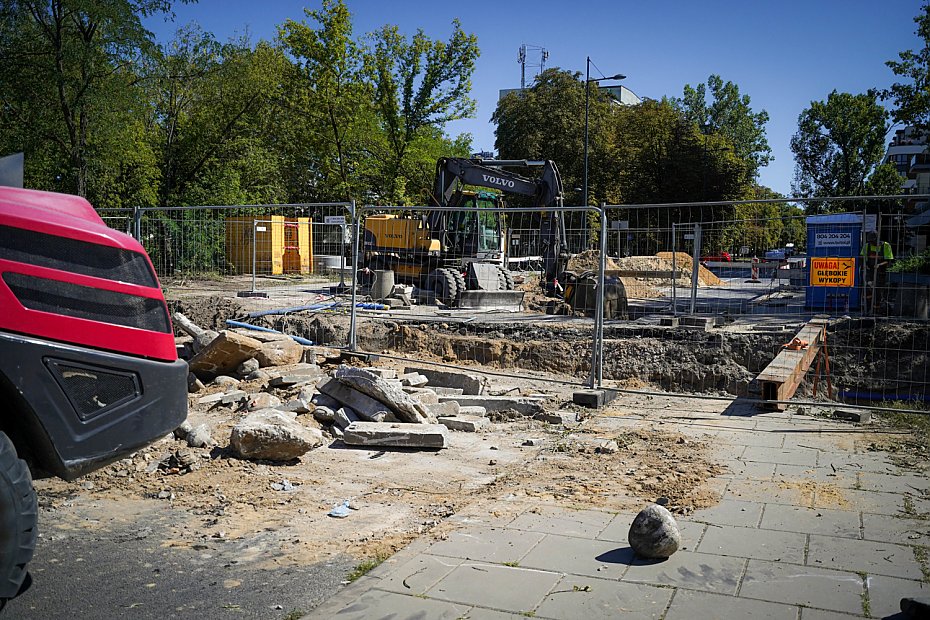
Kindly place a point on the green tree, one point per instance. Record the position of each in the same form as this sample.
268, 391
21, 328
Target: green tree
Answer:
839, 144
419, 85
912, 96
729, 113
68, 70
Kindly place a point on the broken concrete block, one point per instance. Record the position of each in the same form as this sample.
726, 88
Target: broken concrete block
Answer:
224, 355
323, 400
557, 417
272, 435
470, 383
384, 373
424, 395
262, 400
405, 406
446, 391
225, 381
398, 435
367, 407
247, 367
859, 416
444, 410
233, 398
324, 415
468, 424
523, 405
345, 416
211, 399
472, 410
286, 381
279, 353
413, 379
298, 405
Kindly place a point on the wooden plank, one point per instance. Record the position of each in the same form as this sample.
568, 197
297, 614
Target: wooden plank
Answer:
781, 378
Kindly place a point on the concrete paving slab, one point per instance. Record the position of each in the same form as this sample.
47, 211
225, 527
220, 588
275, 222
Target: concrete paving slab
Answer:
724, 452
500, 587
803, 585
688, 605
896, 529
788, 456
888, 483
550, 520
755, 439
691, 570
487, 544
595, 599
480, 613
691, 531
379, 604
754, 543
880, 558
794, 494
578, 556
754, 470
819, 614
877, 462
419, 574
866, 501
841, 477
730, 512
885, 593
811, 521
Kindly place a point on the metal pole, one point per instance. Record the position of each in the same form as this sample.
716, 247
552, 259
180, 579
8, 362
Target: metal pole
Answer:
137, 223
602, 284
587, 81
254, 241
353, 343
674, 273
695, 264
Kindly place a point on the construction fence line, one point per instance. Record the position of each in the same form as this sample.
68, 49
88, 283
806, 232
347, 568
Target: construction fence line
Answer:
713, 291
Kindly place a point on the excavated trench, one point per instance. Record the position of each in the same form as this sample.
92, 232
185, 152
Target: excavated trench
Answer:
883, 359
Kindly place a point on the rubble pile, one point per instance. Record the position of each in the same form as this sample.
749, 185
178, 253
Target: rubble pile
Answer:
283, 403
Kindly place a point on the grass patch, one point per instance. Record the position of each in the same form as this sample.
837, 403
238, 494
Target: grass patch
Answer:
294, 614
923, 559
511, 564
866, 602
367, 566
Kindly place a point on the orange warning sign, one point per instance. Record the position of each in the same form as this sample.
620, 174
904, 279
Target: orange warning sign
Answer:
833, 271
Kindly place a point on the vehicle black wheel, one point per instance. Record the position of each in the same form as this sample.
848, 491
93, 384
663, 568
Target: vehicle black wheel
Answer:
506, 279
459, 281
442, 283
17, 520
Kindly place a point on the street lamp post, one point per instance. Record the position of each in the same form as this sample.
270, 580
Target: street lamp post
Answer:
587, 81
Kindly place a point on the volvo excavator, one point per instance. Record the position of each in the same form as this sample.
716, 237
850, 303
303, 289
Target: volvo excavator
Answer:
458, 253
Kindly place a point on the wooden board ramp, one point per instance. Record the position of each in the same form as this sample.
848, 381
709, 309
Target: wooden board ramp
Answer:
781, 378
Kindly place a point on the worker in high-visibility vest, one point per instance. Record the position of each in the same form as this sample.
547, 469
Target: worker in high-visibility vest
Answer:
877, 257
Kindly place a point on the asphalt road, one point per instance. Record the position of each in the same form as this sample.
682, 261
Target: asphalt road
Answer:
127, 571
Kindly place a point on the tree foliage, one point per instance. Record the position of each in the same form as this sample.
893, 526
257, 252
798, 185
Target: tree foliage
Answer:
912, 96
729, 114
839, 144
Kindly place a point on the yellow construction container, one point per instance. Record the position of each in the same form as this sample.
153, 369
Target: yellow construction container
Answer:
398, 234
275, 244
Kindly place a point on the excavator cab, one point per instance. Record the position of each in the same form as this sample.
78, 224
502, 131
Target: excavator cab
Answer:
475, 233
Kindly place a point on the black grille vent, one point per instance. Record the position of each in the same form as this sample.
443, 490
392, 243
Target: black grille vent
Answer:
93, 390
89, 259
85, 302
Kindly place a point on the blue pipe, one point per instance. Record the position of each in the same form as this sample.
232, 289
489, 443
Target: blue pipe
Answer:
881, 396
297, 339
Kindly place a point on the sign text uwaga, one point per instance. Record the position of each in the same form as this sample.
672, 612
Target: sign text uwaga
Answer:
833, 271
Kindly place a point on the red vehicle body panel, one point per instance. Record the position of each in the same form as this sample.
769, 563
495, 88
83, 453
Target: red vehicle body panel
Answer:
72, 217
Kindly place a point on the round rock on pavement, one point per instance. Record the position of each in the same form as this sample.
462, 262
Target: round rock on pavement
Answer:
654, 533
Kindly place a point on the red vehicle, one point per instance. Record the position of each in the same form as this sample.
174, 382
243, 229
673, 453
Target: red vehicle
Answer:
88, 366
722, 257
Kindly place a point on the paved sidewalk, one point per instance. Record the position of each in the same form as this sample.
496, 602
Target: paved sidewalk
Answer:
811, 525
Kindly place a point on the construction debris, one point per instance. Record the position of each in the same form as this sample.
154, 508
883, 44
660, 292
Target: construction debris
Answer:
396, 435
224, 355
272, 435
469, 383
402, 404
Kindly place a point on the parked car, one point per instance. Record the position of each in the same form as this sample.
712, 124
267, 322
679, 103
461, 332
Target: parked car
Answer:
722, 257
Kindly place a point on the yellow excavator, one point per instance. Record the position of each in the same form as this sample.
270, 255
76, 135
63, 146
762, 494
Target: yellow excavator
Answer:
457, 251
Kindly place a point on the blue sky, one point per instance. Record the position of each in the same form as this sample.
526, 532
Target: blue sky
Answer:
782, 54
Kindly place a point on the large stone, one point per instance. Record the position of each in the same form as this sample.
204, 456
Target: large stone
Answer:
654, 533
272, 435
324, 415
200, 437
444, 410
521, 404
469, 383
262, 400
424, 395
397, 435
247, 367
405, 406
367, 407
413, 379
279, 353
224, 354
